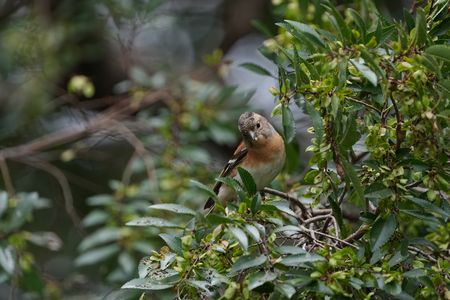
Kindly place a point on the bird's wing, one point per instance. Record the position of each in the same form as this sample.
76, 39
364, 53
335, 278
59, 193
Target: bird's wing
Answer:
238, 156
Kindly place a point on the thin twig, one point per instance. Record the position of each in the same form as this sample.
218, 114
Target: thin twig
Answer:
330, 237
7, 177
59, 176
364, 103
316, 218
291, 199
357, 234
398, 128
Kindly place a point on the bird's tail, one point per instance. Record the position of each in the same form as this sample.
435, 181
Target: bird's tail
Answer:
209, 204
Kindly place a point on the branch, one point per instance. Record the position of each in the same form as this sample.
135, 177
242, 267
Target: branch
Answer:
67, 135
357, 234
291, 199
398, 128
59, 176
7, 177
364, 103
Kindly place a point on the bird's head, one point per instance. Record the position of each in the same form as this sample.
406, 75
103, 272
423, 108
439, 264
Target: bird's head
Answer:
255, 129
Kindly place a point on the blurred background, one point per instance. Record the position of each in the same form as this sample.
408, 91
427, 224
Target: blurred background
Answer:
109, 106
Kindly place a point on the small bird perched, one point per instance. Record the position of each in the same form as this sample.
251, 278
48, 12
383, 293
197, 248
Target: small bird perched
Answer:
261, 153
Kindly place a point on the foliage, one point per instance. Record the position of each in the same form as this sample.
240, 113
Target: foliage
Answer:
359, 77
116, 246
17, 262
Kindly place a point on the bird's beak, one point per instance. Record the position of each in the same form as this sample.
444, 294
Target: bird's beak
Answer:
253, 135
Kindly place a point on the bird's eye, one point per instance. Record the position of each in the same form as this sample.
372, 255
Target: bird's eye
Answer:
258, 125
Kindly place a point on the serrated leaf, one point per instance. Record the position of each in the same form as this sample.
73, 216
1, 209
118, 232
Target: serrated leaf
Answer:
259, 278
246, 262
146, 284
156, 222
288, 123
96, 255
175, 208
247, 181
256, 69
377, 191
365, 71
429, 205
254, 232
297, 259
381, 231
439, 51
172, 241
240, 236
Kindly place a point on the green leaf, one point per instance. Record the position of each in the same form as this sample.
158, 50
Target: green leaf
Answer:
377, 191
297, 259
247, 262
255, 205
351, 135
340, 24
156, 222
286, 289
307, 31
288, 123
240, 236
95, 217
421, 29
7, 259
259, 278
300, 76
248, 181
381, 231
100, 200
204, 188
175, 208
429, 205
351, 175
290, 250
254, 232
256, 69
415, 273
283, 206
316, 120
96, 255
172, 241
101, 236
146, 284
439, 51
365, 71
127, 262
359, 22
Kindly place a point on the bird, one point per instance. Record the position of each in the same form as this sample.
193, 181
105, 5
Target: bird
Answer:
261, 153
